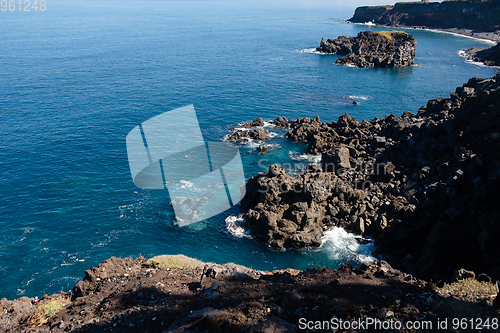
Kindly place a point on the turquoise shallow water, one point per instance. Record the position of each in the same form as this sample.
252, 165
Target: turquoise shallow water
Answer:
75, 79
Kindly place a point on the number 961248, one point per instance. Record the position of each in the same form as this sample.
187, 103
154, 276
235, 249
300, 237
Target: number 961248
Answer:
23, 5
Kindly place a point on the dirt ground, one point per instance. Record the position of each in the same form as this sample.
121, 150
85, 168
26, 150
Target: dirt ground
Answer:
126, 295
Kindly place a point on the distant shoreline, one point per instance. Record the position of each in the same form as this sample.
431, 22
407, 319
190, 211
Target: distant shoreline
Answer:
491, 37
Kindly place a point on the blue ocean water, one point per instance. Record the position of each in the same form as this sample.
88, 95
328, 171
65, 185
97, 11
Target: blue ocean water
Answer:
76, 78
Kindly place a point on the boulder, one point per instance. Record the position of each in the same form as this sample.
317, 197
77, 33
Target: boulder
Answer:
336, 160
282, 122
256, 123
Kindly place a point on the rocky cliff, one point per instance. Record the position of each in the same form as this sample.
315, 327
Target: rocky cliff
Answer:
489, 56
425, 186
476, 15
180, 294
373, 49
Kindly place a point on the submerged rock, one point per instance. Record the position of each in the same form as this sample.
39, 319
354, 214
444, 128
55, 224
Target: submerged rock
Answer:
373, 49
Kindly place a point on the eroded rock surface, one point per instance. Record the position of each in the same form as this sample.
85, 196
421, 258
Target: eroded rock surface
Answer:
373, 49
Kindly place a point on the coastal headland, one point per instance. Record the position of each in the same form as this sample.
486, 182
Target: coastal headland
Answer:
471, 18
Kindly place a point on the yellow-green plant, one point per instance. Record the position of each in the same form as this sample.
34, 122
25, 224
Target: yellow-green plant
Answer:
47, 309
470, 287
388, 34
175, 261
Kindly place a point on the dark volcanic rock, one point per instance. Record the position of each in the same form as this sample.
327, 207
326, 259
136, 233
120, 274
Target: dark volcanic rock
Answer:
137, 297
281, 122
256, 134
425, 185
373, 49
489, 56
256, 123
262, 149
475, 15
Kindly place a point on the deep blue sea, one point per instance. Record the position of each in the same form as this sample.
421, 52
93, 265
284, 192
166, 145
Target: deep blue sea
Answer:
76, 78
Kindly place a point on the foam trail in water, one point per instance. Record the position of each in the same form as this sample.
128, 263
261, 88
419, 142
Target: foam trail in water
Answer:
343, 246
365, 98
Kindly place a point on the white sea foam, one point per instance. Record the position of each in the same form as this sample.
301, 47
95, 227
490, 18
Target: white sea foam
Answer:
464, 54
457, 34
234, 226
187, 184
365, 98
342, 246
312, 51
304, 157
251, 143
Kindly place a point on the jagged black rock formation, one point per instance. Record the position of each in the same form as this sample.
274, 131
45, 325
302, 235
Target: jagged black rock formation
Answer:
489, 55
373, 49
425, 185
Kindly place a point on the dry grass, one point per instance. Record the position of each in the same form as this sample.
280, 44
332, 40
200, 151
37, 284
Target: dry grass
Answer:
470, 287
175, 261
388, 34
47, 309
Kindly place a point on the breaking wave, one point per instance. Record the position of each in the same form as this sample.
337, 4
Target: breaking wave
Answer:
343, 246
234, 226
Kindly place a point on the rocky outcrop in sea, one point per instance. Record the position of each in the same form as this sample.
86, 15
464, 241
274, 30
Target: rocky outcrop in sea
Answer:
489, 56
424, 185
373, 49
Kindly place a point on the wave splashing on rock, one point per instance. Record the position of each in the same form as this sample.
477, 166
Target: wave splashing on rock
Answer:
342, 246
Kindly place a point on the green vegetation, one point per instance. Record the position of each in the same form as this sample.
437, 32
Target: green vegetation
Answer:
175, 261
470, 287
388, 34
47, 309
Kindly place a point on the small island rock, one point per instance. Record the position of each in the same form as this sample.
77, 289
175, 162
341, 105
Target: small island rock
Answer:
373, 49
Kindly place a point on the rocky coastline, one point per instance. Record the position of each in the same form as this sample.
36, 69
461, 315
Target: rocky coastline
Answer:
181, 294
490, 56
477, 19
373, 49
423, 185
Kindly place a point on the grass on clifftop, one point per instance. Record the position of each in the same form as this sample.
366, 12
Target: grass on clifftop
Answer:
388, 34
47, 309
175, 261
470, 287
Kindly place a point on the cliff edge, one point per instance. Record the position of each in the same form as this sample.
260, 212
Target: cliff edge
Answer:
181, 294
